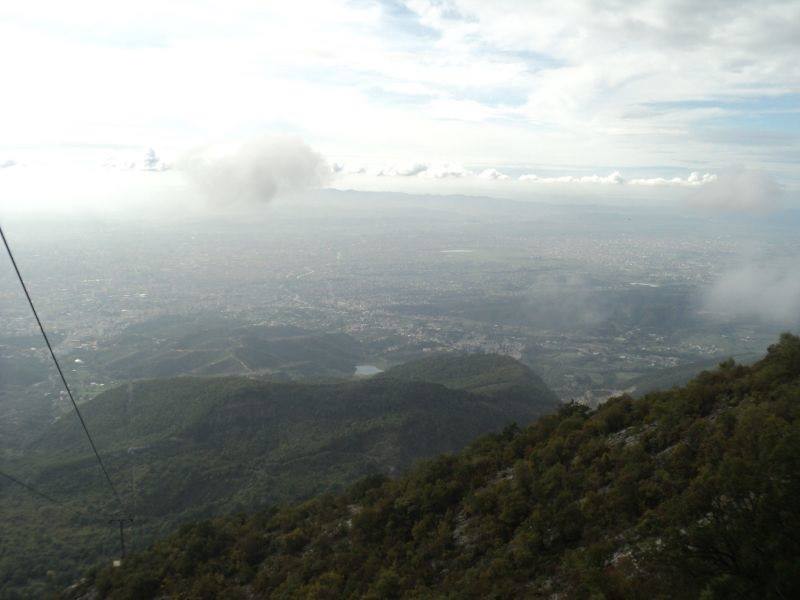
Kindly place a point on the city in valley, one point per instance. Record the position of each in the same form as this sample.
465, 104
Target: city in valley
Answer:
598, 300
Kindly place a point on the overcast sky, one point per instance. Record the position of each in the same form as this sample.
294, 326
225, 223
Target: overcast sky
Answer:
405, 95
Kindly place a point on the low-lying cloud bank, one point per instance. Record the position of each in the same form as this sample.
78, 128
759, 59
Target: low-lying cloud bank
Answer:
258, 170
611, 178
452, 171
730, 190
694, 179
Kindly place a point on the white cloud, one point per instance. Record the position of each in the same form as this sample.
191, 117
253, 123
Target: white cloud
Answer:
571, 85
637, 87
411, 170
612, 178
255, 172
493, 174
694, 179
406, 170
7, 164
446, 171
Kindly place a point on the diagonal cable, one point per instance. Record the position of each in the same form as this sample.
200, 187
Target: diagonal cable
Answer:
30, 488
60, 372
93, 518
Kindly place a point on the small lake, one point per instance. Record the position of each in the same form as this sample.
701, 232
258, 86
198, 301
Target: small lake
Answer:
367, 370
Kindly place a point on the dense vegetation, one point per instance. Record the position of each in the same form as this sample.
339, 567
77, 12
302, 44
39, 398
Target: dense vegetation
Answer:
190, 448
23, 375
172, 346
485, 374
689, 493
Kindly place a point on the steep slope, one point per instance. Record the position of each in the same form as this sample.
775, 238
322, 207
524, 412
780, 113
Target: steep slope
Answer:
274, 440
189, 448
664, 379
681, 494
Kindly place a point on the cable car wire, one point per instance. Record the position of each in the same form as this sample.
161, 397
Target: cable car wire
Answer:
30, 488
61, 373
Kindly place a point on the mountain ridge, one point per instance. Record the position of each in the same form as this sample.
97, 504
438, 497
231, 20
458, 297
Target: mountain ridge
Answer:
189, 448
683, 493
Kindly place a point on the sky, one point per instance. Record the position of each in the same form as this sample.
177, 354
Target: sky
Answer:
508, 97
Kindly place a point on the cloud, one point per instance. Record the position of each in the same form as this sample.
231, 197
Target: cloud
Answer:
767, 291
256, 171
447, 171
7, 164
411, 170
455, 171
415, 169
612, 178
152, 162
149, 162
338, 168
407, 170
693, 180
493, 174
478, 81
740, 190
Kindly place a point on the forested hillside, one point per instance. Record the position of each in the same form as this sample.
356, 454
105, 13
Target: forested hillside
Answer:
170, 347
688, 493
185, 449
485, 374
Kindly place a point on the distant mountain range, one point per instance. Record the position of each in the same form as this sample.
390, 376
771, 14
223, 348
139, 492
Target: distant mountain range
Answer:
187, 448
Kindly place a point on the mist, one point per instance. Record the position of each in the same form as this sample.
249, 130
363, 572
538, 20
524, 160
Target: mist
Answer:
766, 291
740, 190
566, 300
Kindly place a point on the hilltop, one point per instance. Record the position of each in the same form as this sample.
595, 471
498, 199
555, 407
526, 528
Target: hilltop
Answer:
687, 493
163, 347
189, 448
484, 374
